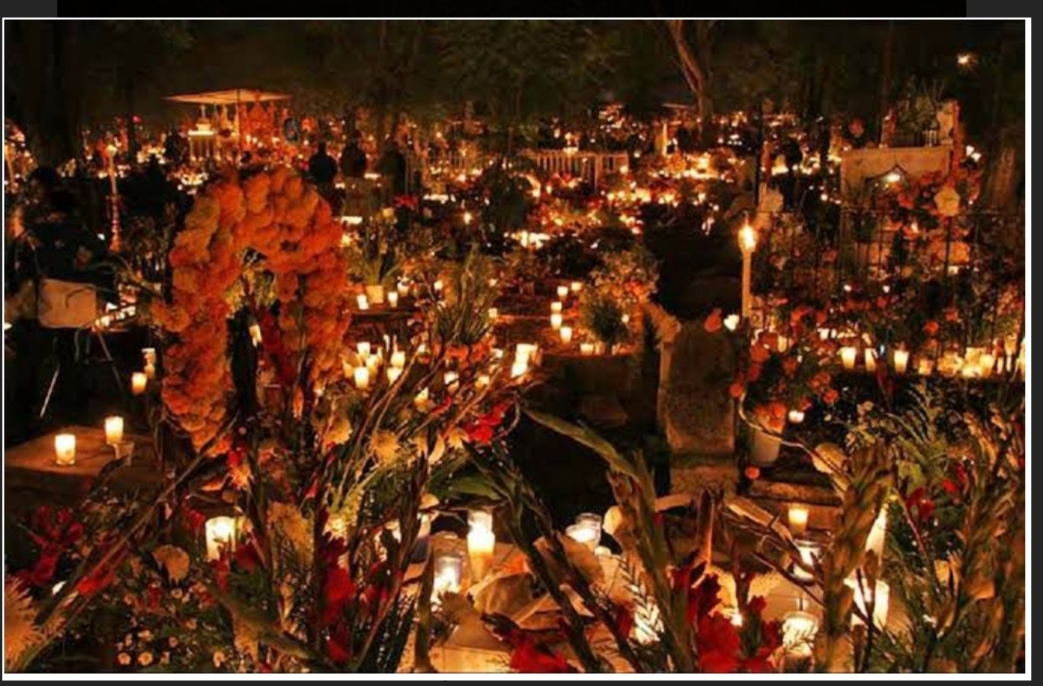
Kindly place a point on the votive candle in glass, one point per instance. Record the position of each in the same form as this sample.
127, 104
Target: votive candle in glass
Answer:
582, 534
493, 314
393, 374
363, 301
452, 381
392, 298
986, 364
926, 366
398, 359
808, 551
150, 371
563, 292
798, 518
576, 286
591, 522
65, 450
220, 536
364, 348
149, 354
481, 543
848, 355
362, 378
449, 572
556, 307
439, 286
482, 381
798, 632
796, 416
586, 348
870, 356
901, 361
566, 334
138, 382
402, 288
556, 321
114, 430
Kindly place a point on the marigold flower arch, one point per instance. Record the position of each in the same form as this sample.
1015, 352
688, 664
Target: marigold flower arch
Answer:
276, 215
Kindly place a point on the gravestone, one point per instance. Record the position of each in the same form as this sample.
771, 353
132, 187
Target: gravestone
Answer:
695, 411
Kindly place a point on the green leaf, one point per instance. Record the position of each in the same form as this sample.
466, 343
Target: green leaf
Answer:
475, 485
585, 436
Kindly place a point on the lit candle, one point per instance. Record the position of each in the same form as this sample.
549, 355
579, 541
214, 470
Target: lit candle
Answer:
986, 363
393, 374
848, 354
556, 320
403, 288
586, 348
114, 430
926, 366
866, 594
220, 535
731, 322
421, 399
439, 286
255, 334
392, 299
448, 570
747, 244
525, 352
796, 416
586, 530
563, 292
138, 382
373, 364
798, 632
362, 378
364, 348
878, 534
150, 371
149, 355
481, 543
870, 360
493, 314
482, 381
625, 319
582, 534
798, 518
901, 361
808, 551
452, 381
969, 371
519, 368
576, 286
555, 307
566, 334
363, 301
398, 359
65, 450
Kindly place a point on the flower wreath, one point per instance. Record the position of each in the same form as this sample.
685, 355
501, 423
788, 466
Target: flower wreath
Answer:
276, 216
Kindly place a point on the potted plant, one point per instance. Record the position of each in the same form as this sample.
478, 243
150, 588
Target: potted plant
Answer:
605, 318
374, 259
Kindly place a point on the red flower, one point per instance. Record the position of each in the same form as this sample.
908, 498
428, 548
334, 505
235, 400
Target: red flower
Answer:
703, 598
99, 579
482, 434
714, 322
920, 505
409, 202
338, 645
247, 557
718, 644
530, 658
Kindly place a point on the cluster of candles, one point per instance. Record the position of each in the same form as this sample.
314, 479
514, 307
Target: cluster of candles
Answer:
525, 355
977, 363
65, 443
371, 363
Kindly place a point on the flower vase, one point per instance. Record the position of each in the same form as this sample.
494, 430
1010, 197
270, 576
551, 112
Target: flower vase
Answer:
375, 294
764, 448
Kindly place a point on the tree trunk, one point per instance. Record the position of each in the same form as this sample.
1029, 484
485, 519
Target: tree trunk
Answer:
695, 66
885, 81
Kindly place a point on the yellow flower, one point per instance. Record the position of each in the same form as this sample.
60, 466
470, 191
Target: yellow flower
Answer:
20, 630
384, 446
174, 560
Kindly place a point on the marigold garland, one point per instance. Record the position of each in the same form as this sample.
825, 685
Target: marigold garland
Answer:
277, 216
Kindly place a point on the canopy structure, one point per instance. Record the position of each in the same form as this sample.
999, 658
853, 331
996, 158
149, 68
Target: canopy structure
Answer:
229, 97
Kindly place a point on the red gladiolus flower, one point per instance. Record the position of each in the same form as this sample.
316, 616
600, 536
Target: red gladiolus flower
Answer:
338, 645
718, 644
530, 658
703, 599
